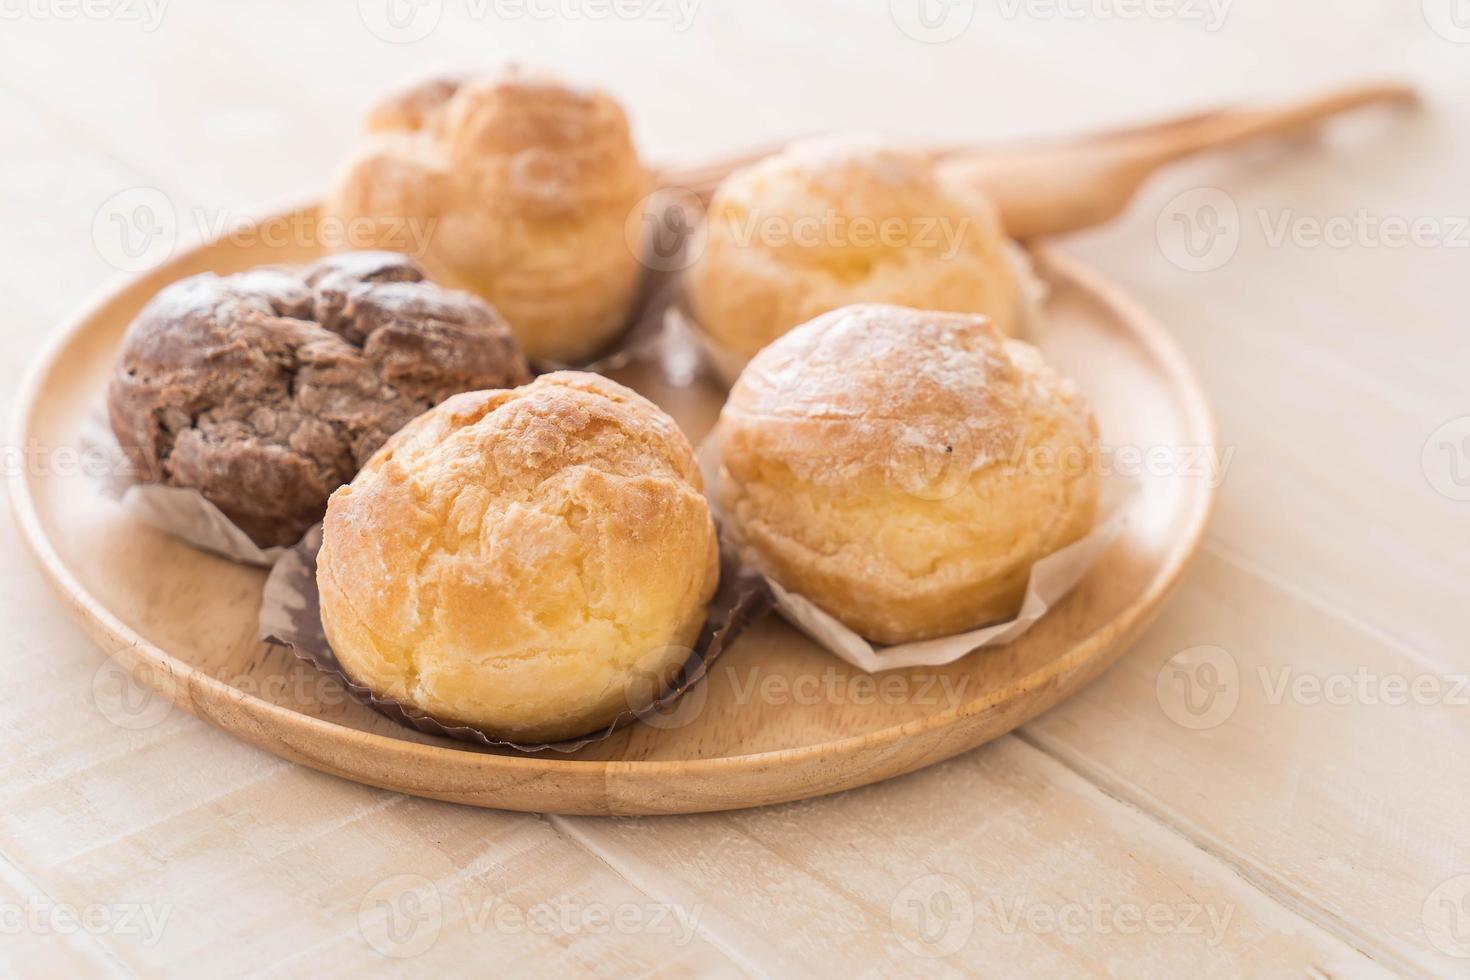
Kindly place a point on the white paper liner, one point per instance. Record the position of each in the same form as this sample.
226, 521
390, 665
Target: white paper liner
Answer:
180, 511
1052, 578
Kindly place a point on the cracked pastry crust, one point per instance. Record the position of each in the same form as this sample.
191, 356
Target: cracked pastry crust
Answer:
530, 562
905, 469
522, 186
267, 389
842, 220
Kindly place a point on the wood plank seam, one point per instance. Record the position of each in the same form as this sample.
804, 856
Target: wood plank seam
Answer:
1276, 890
563, 827
27, 884
1248, 566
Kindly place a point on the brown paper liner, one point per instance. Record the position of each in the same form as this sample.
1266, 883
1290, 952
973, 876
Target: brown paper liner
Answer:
290, 616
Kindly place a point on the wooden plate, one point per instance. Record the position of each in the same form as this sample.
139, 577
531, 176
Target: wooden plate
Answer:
778, 720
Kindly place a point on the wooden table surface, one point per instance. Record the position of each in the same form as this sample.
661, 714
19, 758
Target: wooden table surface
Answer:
1274, 781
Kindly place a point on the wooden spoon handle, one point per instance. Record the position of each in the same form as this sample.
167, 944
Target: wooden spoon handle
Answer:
1214, 130
1066, 185
1096, 158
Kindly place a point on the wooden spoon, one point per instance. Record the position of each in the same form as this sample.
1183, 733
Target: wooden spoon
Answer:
1045, 188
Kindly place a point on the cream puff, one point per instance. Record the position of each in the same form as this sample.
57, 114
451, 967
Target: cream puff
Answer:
532, 563
513, 186
832, 222
904, 470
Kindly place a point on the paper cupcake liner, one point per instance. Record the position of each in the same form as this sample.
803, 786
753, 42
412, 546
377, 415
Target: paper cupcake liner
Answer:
181, 511
290, 616
1051, 580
